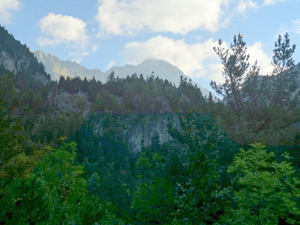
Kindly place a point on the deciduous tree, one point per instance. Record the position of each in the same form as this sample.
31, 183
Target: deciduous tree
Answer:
265, 191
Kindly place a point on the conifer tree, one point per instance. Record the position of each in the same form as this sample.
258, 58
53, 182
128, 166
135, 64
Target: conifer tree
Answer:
277, 97
235, 61
284, 77
282, 58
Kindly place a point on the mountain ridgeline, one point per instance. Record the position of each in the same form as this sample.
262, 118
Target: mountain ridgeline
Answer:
143, 145
120, 93
150, 67
56, 68
17, 58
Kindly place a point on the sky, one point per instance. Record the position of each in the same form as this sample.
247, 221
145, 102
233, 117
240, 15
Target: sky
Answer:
106, 33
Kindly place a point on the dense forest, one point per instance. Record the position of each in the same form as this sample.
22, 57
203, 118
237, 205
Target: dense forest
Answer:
140, 150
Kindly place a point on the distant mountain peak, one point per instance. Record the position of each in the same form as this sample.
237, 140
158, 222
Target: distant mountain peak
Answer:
152, 59
56, 68
156, 67
156, 60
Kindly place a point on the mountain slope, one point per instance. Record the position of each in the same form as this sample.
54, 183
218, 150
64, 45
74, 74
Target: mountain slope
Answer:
56, 68
155, 67
18, 59
164, 70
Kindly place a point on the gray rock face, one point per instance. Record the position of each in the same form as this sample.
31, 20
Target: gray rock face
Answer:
8, 62
152, 124
140, 129
21, 65
77, 103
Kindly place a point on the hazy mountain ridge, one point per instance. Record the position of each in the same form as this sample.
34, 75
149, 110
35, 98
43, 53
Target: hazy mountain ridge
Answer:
149, 67
156, 67
56, 68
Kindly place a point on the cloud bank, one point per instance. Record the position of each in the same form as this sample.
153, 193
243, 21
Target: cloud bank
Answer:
175, 16
195, 60
60, 29
263, 59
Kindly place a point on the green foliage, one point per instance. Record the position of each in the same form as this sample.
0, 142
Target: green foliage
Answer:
259, 108
13, 161
55, 193
154, 202
23, 201
236, 64
282, 58
50, 129
105, 102
286, 81
11, 139
265, 191
197, 195
26, 64
8, 91
272, 107
94, 183
186, 180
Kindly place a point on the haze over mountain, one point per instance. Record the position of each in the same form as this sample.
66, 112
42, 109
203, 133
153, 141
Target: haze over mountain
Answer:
56, 67
156, 67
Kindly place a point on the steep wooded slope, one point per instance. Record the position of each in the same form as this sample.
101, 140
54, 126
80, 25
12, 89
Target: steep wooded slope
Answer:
18, 59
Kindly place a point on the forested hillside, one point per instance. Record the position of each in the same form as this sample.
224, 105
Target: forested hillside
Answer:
18, 59
140, 150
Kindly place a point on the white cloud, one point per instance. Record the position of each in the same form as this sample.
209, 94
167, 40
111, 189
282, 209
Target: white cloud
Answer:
66, 30
111, 64
296, 24
272, 2
60, 29
192, 59
127, 17
6, 10
243, 5
195, 60
95, 48
263, 59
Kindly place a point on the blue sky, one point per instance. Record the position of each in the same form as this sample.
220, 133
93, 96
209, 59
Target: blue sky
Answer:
101, 34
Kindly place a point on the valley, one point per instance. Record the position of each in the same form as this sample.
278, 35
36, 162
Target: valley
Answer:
144, 144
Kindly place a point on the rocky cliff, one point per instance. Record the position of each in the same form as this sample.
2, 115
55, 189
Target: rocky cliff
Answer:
18, 59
